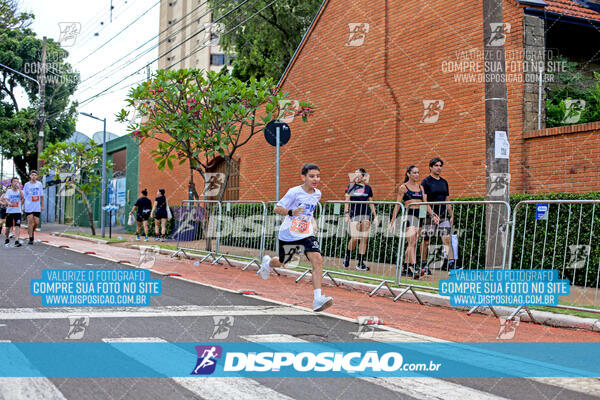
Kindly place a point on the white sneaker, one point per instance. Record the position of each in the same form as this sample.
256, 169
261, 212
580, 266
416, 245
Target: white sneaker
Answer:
265, 269
321, 303
11, 235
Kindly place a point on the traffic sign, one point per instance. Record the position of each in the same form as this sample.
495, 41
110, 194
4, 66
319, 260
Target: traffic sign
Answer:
271, 133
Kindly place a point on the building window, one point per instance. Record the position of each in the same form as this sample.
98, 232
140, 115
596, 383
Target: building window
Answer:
172, 3
217, 59
171, 39
119, 161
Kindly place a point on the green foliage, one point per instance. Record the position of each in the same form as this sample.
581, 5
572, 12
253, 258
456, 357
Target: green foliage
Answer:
265, 43
75, 163
11, 18
19, 126
202, 117
572, 85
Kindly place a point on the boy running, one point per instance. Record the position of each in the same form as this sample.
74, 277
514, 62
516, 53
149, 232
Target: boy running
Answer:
13, 198
34, 203
299, 230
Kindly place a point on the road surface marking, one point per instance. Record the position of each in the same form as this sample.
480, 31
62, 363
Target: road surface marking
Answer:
166, 311
420, 388
207, 388
26, 388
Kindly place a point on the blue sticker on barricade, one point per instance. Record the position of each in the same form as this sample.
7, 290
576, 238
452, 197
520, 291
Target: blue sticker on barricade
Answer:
95, 287
323, 359
534, 287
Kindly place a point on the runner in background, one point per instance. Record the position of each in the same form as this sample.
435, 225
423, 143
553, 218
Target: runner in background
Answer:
14, 200
3, 203
143, 206
159, 210
34, 203
359, 216
412, 193
299, 231
437, 189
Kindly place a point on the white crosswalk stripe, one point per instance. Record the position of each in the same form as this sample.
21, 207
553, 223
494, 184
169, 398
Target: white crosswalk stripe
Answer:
130, 312
419, 388
26, 388
207, 388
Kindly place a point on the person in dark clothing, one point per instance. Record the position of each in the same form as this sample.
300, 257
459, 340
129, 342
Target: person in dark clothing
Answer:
143, 208
359, 217
411, 193
437, 189
161, 215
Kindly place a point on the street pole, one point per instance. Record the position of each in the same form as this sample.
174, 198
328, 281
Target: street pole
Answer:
496, 132
277, 130
103, 202
42, 89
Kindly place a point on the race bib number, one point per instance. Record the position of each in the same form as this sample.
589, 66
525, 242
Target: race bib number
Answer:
35, 198
299, 226
13, 204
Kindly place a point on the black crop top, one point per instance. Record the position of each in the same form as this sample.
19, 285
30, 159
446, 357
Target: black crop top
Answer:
410, 195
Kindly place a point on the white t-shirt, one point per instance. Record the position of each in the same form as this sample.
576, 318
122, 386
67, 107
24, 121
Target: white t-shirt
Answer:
14, 201
33, 196
296, 228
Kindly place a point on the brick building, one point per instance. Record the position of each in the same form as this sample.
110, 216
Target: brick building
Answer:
373, 69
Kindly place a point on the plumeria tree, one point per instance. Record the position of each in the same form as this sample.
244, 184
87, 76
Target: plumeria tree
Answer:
203, 118
75, 164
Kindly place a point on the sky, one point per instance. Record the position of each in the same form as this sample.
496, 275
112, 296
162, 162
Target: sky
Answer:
96, 28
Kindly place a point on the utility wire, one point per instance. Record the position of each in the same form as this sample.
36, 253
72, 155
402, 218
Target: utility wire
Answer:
167, 52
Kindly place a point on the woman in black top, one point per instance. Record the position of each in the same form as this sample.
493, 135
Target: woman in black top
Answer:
411, 193
161, 216
142, 206
359, 217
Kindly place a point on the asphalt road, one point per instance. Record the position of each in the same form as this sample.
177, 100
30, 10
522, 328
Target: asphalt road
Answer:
185, 312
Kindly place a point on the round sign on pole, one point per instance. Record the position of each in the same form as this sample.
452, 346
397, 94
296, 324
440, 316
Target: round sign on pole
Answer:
271, 133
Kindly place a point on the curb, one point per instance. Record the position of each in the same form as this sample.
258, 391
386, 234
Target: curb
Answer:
540, 317
84, 238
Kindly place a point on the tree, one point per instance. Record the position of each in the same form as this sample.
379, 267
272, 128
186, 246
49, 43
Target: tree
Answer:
11, 18
21, 51
266, 42
203, 118
75, 164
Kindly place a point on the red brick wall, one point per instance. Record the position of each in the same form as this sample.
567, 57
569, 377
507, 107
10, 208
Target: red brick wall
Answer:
563, 159
367, 119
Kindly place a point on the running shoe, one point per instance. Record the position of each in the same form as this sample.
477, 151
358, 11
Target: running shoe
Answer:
162, 239
146, 239
17, 243
347, 260
321, 303
362, 267
137, 237
11, 235
265, 269
7, 245
156, 239
30, 241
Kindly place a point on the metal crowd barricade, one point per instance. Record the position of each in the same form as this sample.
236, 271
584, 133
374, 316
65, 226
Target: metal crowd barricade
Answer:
193, 229
563, 235
373, 238
242, 231
471, 234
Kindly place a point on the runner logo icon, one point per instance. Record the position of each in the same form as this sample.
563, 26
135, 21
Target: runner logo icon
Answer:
207, 359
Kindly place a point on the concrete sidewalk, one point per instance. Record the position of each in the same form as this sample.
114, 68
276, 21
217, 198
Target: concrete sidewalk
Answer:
440, 322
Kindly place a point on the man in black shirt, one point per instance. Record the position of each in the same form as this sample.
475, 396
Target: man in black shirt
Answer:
437, 189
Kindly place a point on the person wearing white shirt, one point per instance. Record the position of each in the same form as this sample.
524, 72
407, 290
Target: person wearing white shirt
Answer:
13, 199
299, 230
34, 203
